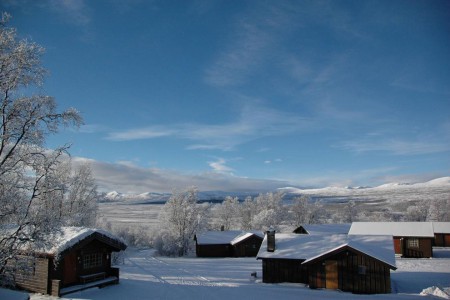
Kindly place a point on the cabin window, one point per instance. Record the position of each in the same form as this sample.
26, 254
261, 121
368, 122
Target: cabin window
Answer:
413, 243
92, 260
362, 270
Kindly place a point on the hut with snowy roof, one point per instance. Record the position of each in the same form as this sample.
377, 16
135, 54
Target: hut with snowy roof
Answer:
411, 239
228, 243
441, 234
75, 258
358, 264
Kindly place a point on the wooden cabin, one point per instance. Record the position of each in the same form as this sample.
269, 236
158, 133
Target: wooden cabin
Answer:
76, 258
357, 264
341, 228
228, 244
411, 239
441, 234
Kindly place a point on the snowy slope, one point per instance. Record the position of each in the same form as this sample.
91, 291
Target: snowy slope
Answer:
390, 192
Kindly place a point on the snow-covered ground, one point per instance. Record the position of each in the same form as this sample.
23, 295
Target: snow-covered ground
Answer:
145, 276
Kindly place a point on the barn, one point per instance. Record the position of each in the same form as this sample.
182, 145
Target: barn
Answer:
228, 243
441, 234
338, 228
411, 239
358, 264
76, 258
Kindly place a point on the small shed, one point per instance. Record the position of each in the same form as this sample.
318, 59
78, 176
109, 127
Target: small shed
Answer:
411, 239
228, 243
357, 264
338, 228
441, 234
75, 258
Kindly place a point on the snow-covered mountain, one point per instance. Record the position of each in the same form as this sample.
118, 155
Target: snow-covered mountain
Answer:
115, 196
391, 192
436, 188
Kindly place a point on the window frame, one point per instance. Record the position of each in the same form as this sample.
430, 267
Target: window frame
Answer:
413, 243
92, 260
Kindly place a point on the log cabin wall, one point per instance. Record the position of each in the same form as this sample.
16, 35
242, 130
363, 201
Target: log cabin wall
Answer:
35, 279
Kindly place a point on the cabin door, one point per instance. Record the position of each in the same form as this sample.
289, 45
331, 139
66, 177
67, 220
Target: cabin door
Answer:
331, 274
70, 268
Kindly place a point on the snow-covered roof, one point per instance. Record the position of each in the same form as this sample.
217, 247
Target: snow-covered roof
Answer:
245, 236
310, 247
441, 227
68, 237
412, 229
224, 237
327, 228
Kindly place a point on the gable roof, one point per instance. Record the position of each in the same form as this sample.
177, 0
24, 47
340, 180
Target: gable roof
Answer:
342, 228
224, 237
311, 247
441, 227
411, 229
69, 237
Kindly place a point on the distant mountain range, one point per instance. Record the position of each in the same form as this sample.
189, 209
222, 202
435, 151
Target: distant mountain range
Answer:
436, 188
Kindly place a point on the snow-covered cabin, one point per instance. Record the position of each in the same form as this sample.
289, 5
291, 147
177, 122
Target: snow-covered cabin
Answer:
411, 239
75, 258
441, 234
230, 243
341, 228
358, 264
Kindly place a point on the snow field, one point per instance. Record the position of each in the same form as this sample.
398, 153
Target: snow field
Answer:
145, 276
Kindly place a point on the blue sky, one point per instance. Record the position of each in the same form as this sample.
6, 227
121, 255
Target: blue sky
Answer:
248, 95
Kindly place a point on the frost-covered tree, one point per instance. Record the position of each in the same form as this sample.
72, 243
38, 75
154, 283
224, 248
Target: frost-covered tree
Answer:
439, 210
350, 212
317, 213
247, 211
80, 200
418, 212
227, 212
300, 210
27, 168
181, 218
270, 211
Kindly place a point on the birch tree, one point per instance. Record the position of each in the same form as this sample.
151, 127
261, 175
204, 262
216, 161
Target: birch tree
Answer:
300, 210
27, 168
181, 218
227, 212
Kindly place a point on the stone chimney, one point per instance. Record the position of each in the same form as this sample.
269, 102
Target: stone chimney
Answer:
270, 239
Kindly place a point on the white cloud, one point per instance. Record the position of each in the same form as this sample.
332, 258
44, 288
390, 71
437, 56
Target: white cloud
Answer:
142, 133
254, 121
73, 11
396, 146
220, 166
129, 178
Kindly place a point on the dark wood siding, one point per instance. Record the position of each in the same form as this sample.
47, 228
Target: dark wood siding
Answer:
221, 250
442, 239
424, 249
284, 270
35, 280
357, 273
248, 247
352, 271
